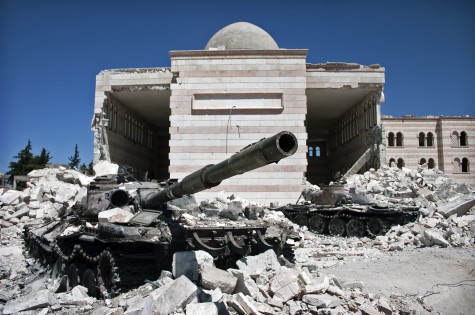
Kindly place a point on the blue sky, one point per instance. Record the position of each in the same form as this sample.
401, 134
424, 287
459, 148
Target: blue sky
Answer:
51, 51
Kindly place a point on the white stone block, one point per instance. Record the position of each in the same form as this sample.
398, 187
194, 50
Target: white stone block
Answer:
116, 215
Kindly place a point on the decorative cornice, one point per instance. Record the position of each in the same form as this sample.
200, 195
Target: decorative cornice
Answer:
279, 53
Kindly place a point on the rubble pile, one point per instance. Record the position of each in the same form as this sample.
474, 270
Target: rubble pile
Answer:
444, 205
262, 284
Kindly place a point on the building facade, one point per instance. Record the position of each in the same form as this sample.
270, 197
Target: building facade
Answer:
210, 103
445, 143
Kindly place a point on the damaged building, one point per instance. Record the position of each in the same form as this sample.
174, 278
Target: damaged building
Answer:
168, 122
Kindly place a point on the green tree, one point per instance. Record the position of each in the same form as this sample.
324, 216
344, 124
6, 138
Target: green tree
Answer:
90, 168
74, 159
83, 168
40, 161
24, 159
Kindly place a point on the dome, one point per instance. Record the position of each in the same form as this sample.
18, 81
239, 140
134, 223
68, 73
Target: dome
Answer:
242, 35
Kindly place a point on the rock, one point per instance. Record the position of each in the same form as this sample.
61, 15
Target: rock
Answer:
102, 168
285, 284
319, 285
116, 215
23, 211
189, 219
10, 197
232, 211
459, 206
259, 264
212, 278
334, 290
245, 284
294, 307
396, 246
208, 308
104, 310
253, 212
178, 294
211, 209
189, 264
304, 277
263, 308
245, 304
432, 237
368, 309
321, 300
353, 285
431, 222
384, 307
79, 292
135, 305
37, 300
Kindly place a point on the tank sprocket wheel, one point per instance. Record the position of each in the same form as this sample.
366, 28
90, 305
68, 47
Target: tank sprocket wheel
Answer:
73, 275
107, 277
375, 227
336, 227
301, 220
356, 228
317, 224
89, 281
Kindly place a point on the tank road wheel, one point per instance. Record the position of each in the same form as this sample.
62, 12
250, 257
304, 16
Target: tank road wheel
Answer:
106, 275
336, 227
301, 220
317, 224
58, 269
89, 282
73, 276
355, 228
375, 227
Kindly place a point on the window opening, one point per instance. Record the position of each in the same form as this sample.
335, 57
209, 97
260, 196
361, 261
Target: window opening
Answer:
465, 165
317, 151
430, 139
422, 137
399, 139
400, 163
391, 139
310, 151
431, 163
463, 139
422, 161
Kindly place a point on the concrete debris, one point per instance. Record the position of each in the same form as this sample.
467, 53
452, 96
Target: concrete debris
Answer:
259, 264
190, 263
102, 168
213, 278
262, 284
115, 215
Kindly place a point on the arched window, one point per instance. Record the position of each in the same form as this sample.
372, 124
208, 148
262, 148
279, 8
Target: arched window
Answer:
422, 139
356, 124
456, 165
317, 151
365, 116
400, 163
422, 161
310, 151
465, 168
431, 163
391, 139
399, 139
430, 139
463, 139
392, 162
455, 138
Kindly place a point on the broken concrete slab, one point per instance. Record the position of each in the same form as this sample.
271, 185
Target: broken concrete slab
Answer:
285, 284
459, 206
432, 237
244, 283
212, 278
256, 265
321, 300
115, 215
36, 300
10, 197
189, 263
246, 304
103, 167
178, 294
318, 285
207, 308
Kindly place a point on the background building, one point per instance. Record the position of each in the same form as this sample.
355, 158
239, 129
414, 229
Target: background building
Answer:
168, 122
442, 142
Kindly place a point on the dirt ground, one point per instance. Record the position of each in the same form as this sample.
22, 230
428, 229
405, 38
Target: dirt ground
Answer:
437, 280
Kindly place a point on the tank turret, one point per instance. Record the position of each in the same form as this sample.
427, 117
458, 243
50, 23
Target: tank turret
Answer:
107, 256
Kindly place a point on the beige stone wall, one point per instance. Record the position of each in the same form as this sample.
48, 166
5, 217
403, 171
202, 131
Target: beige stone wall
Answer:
444, 151
210, 135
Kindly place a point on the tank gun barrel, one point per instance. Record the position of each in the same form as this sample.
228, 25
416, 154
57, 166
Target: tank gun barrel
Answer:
266, 151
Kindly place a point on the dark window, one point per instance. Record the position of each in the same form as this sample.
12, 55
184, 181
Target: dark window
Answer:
310, 151
465, 165
392, 162
463, 139
399, 139
317, 151
430, 139
391, 139
422, 161
400, 163
431, 163
422, 139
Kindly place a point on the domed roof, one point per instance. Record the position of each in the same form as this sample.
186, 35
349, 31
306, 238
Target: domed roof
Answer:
242, 35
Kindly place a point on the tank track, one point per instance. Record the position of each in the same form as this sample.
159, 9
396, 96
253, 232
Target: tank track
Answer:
104, 272
349, 220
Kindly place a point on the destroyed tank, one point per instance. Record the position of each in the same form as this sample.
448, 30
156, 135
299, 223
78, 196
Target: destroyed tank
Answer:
109, 257
336, 211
